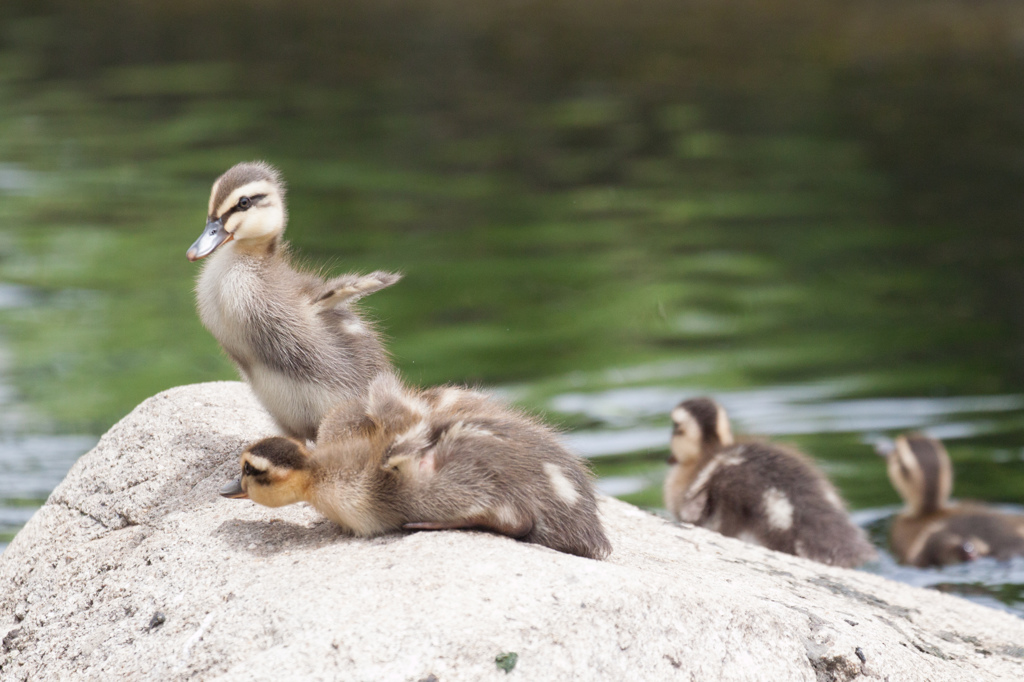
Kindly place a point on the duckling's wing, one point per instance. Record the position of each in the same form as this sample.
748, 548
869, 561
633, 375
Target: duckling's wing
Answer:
348, 288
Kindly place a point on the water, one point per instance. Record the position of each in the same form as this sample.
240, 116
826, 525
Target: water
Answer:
598, 225
30, 467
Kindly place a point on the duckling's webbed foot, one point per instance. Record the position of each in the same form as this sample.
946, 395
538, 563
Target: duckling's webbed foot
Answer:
481, 523
438, 525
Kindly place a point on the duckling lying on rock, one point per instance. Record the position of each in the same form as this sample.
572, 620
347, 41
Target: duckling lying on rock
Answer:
293, 335
438, 459
758, 492
932, 532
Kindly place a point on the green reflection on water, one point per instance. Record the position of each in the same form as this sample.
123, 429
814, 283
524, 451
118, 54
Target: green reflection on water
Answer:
625, 196
766, 254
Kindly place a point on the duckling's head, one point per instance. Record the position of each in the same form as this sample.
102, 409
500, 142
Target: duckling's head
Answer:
699, 426
275, 472
920, 470
247, 205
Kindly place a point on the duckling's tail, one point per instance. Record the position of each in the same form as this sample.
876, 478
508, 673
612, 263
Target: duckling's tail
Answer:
577, 532
840, 543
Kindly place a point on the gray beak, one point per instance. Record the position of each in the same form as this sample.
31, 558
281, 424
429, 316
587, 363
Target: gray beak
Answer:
234, 490
213, 236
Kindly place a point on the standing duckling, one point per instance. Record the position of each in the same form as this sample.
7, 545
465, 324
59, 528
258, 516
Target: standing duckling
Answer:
430, 460
293, 335
932, 532
758, 492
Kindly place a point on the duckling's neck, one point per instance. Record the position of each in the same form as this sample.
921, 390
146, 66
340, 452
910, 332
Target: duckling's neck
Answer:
690, 468
923, 507
256, 248
708, 452
932, 496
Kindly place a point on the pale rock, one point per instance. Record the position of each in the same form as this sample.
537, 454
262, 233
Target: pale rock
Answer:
248, 593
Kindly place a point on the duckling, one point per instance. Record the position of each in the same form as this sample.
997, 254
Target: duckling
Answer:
758, 492
430, 460
932, 532
294, 336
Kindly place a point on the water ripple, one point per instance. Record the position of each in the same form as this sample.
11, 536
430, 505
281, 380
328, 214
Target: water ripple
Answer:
627, 415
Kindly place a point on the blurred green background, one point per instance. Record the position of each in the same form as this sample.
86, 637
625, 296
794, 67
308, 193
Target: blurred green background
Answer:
810, 210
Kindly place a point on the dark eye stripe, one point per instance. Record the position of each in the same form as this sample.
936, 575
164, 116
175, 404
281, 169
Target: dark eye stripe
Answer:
250, 470
253, 200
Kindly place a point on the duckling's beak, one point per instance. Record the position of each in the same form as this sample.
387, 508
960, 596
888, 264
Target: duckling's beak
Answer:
234, 490
213, 236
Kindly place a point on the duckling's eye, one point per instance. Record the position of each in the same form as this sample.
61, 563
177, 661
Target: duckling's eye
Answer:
672, 459
250, 470
244, 203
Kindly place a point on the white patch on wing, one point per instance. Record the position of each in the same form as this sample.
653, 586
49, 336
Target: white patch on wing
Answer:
749, 538
563, 486
417, 431
731, 460
461, 429
414, 404
449, 397
832, 498
778, 509
353, 327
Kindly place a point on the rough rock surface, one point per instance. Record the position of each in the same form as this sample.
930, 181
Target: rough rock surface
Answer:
136, 569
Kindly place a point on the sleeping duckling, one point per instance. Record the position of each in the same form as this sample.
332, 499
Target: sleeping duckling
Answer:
758, 492
930, 531
441, 459
294, 336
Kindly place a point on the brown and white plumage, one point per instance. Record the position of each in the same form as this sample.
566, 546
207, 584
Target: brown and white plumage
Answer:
294, 336
438, 459
932, 532
758, 492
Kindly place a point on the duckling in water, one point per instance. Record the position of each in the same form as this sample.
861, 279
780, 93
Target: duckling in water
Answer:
758, 492
293, 335
930, 531
430, 460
